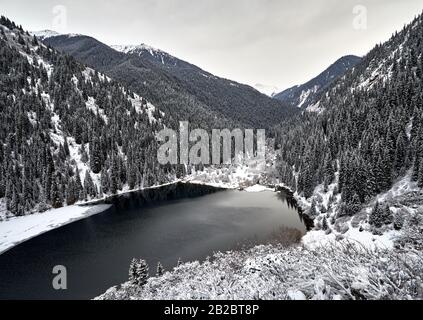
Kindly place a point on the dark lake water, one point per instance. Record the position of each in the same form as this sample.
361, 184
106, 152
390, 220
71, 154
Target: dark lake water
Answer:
177, 222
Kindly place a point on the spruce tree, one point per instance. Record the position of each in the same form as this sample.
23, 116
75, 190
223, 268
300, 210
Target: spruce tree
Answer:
133, 272
387, 216
399, 220
376, 215
160, 270
56, 198
95, 157
313, 209
353, 206
142, 271
381, 216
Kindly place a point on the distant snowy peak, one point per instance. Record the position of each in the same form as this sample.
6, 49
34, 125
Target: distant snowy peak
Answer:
267, 90
148, 52
44, 34
47, 34
137, 49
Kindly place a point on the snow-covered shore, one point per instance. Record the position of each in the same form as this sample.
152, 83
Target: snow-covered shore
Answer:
17, 230
340, 271
20, 229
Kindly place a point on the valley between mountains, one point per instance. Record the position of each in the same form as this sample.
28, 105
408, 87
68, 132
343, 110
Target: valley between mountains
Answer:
78, 149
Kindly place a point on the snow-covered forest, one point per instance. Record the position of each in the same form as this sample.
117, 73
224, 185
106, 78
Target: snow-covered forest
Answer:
353, 160
68, 133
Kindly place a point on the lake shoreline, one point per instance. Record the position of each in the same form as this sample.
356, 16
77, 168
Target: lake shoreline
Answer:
183, 221
18, 230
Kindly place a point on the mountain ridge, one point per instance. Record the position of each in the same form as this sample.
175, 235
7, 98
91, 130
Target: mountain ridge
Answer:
185, 91
303, 96
69, 133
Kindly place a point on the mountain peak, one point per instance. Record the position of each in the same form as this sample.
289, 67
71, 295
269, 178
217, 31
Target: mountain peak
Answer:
44, 34
303, 96
137, 49
47, 34
270, 91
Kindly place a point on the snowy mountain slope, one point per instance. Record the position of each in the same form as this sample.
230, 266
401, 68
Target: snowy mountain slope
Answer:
358, 163
141, 75
303, 96
376, 69
148, 52
68, 133
44, 34
183, 90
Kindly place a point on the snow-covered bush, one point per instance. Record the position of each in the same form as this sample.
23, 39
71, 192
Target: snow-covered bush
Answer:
342, 270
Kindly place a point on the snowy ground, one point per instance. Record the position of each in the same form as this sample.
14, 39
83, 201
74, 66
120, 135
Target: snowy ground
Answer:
251, 175
339, 271
19, 229
236, 177
356, 228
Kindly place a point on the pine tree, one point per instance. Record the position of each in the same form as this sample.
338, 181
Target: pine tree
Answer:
56, 198
90, 188
353, 206
66, 146
160, 270
14, 204
95, 157
114, 176
325, 225
34, 40
387, 216
313, 209
133, 272
400, 153
142, 271
70, 193
375, 218
381, 216
399, 220
104, 180
78, 186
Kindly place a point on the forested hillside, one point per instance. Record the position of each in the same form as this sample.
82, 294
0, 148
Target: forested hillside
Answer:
184, 91
68, 133
368, 128
305, 95
234, 100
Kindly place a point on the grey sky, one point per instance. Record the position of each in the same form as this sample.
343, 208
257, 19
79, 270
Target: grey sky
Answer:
273, 42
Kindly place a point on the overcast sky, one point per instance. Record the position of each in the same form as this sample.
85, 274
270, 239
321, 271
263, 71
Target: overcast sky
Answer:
272, 42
